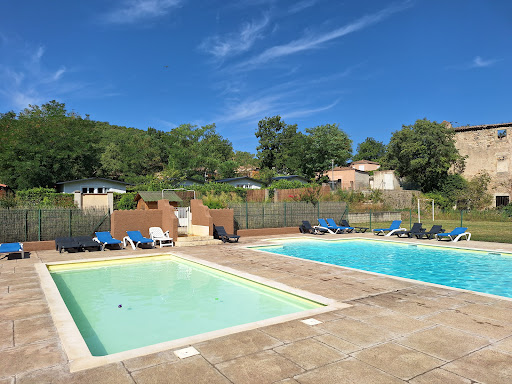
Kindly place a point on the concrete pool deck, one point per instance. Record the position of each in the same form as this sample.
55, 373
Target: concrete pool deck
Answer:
396, 331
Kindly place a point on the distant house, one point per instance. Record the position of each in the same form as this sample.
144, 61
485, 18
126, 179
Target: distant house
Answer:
149, 199
187, 182
243, 182
348, 178
365, 165
384, 180
92, 185
5, 190
303, 180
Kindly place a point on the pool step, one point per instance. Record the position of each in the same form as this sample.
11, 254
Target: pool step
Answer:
191, 241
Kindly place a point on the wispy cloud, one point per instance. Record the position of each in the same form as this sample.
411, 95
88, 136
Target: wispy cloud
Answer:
478, 62
235, 43
314, 41
308, 112
133, 11
301, 5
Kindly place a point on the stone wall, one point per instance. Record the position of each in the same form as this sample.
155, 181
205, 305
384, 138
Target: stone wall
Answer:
284, 194
487, 151
399, 199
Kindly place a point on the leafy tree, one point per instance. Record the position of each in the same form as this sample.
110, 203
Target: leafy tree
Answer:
370, 149
228, 169
323, 144
423, 153
268, 133
476, 195
245, 159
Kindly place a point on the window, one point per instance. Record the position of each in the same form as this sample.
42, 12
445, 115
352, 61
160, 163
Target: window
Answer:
84, 190
91, 190
502, 201
502, 133
101, 190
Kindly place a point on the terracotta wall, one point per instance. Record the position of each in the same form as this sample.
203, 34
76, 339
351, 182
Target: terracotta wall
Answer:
200, 213
133, 220
223, 217
30, 246
267, 231
169, 219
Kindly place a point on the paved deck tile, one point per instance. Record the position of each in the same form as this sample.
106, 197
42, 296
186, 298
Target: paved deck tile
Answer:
6, 334
357, 332
192, 370
398, 360
259, 368
440, 376
34, 329
142, 362
309, 353
292, 331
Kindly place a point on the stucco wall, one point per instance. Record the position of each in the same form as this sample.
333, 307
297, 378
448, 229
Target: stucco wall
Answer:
169, 220
133, 220
223, 217
201, 216
94, 200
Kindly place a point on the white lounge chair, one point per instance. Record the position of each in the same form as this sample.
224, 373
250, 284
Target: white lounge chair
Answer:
158, 235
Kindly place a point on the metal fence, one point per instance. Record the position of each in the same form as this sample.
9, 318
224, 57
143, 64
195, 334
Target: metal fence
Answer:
285, 214
47, 224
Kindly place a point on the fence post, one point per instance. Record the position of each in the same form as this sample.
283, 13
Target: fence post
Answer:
246, 215
370, 219
318, 210
70, 213
461, 213
26, 225
285, 213
263, 215
410, 218
39, 226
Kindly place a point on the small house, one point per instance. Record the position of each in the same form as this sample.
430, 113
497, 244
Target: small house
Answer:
149, 199
243, 182
348, 178
92, 185
365, 165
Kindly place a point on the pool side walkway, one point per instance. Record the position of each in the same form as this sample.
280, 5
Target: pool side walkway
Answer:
396, 331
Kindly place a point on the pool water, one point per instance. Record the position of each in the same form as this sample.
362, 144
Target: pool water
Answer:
478, 271
118, 307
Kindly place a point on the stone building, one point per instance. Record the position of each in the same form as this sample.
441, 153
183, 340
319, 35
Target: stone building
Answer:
488, 148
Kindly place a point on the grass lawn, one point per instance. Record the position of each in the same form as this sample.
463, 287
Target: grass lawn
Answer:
499, 232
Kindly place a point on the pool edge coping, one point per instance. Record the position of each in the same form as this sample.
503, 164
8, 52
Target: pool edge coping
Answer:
78, 353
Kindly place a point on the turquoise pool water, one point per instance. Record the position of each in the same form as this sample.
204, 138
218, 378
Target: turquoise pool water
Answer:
122, 307
474, 270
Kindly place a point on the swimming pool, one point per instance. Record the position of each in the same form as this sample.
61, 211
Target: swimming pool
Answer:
479, 271
119, 305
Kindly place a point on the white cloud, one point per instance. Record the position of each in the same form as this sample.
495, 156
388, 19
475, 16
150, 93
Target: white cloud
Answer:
132, 11
308, 112
235, 43
301, 5
313, 41
478, 62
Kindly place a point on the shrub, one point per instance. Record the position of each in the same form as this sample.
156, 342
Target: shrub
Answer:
125, 201
44, 198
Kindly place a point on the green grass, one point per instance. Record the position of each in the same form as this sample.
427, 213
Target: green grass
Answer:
499, 232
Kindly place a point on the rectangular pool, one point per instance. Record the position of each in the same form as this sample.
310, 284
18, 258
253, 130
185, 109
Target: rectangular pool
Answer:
119, 305
480, 271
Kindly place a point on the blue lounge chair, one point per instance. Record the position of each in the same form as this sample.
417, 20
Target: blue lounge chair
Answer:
322, 223
12, 248
105, 238
454, 235
135, 238
332, 223
394, 227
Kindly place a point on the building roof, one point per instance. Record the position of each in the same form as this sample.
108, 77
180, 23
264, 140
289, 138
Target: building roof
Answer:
485, 126
364, 162
289, 177
148, 196
93, 178
239, 179
344, 169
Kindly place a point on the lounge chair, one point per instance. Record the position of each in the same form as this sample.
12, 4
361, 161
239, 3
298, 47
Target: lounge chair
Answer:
429, 234
12, 248
86, 242
344, 228
357, 229
454, 235
220, 233
394, 227
105, 238
316, 230
158, 235
323, 224
135, 239
416, 228
66, 244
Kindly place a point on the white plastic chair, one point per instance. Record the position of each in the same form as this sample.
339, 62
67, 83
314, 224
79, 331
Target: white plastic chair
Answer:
158, 235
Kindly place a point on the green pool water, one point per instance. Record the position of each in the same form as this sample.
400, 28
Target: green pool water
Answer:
125, 306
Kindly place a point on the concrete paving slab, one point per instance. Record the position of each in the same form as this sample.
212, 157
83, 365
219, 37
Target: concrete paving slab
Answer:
6, 334
34, 329
292, 331
398, 360
486, 366
504, 345
239, 344
397, 322
153, 359
259, 368
444, 343
337, 343
24, 310
193, 370
440, 376
357, 332
309, 353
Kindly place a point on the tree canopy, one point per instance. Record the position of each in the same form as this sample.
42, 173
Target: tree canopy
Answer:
370, 149
423, 153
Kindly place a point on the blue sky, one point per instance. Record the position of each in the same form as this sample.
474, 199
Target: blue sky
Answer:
369, 66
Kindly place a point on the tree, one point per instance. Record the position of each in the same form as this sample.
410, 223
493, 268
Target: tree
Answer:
268, 133
370, 149
323, 144
423, 153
